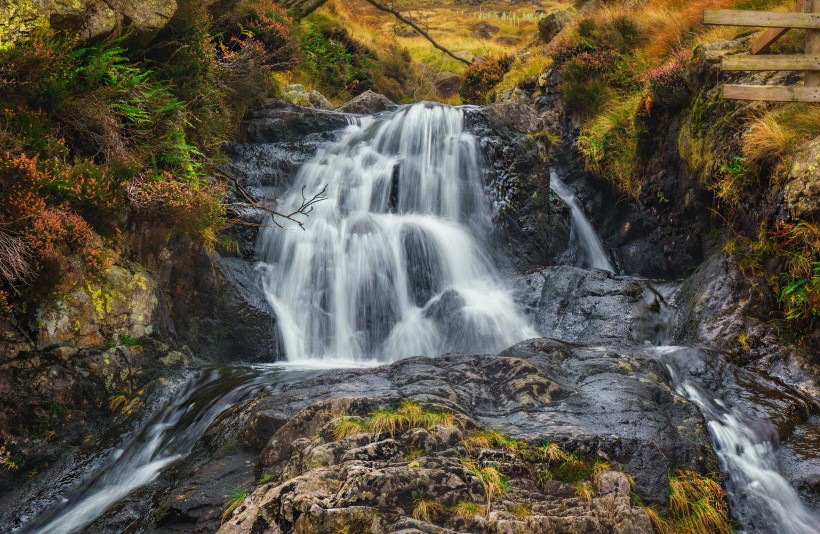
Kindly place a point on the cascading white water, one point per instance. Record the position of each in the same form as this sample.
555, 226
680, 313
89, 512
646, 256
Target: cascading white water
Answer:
582, 230
760, 496
394, 263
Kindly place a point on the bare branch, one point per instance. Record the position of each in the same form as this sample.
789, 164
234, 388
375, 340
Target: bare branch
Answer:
15, 264
410, 22
304, 209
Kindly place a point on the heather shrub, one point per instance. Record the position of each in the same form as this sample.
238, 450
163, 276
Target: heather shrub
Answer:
668, 84
481, 78
563, 49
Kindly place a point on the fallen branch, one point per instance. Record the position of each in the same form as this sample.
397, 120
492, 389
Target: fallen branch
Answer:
410, 22
304, 209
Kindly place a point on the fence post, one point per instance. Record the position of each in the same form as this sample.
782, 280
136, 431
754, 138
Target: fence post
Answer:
813, 48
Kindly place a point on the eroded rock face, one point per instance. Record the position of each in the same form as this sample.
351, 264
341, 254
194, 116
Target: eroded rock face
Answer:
531, 223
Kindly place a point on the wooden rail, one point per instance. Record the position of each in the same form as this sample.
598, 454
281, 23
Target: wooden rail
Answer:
806, 16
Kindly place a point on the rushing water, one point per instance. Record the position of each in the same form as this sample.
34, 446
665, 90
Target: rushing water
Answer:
394, 263
761, 498
167, 435
582, 232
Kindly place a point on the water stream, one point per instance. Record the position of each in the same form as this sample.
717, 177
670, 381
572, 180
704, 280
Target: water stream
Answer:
395, 264
582, 232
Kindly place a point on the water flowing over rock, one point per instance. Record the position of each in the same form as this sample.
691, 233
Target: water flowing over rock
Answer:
403, 230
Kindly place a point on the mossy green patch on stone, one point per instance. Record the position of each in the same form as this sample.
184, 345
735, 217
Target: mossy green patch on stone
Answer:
18, 18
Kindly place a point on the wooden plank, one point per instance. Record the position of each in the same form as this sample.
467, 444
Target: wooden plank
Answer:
772, 93
813, 47
762, 19
808, 62
762, 43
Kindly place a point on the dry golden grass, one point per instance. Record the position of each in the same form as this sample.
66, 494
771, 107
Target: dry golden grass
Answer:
468, 509
779, 133
697, 505
427, 510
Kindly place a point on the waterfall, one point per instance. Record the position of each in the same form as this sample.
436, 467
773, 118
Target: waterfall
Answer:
395, 263
582, 230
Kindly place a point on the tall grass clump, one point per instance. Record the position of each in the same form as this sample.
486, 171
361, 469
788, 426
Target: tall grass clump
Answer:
609, 144
697, 505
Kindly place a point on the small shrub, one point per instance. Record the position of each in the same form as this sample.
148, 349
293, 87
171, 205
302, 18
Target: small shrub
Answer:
573, 470
481, 78
564, 49
468, 509
668, 84
427, 510
584, 491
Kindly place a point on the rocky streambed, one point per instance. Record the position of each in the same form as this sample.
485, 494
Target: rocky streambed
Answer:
573, 431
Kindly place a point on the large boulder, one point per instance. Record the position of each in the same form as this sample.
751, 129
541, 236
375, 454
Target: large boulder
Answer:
539, 390
278, 120
551, 25
367, 103
802, 189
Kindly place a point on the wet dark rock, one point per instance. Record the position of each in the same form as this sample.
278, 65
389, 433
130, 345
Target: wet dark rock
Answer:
531, 223
209, 300
281, 121
719, 308
592, 307
367, 103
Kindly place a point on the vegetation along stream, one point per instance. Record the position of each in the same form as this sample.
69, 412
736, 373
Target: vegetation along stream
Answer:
562, 285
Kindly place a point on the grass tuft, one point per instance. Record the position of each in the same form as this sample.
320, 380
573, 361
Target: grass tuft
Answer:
234, 498
697, 505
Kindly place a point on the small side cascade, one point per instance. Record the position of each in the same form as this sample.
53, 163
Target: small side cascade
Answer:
582, 231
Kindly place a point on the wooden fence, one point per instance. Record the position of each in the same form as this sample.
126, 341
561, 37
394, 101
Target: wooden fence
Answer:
805, 15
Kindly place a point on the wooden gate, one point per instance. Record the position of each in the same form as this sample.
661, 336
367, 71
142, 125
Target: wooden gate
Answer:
806, 15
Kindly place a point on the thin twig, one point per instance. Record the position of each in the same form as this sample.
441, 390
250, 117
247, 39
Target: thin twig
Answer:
304, 209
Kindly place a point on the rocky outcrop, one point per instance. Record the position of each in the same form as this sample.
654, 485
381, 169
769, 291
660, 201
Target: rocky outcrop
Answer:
90, 311
531, 222
595, 307
87, 19
367, 482
367, 103
539, 391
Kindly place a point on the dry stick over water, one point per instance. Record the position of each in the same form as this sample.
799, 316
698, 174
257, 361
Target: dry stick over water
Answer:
304, 209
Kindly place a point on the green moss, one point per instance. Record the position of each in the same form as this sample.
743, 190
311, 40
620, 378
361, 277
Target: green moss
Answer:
17, 19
